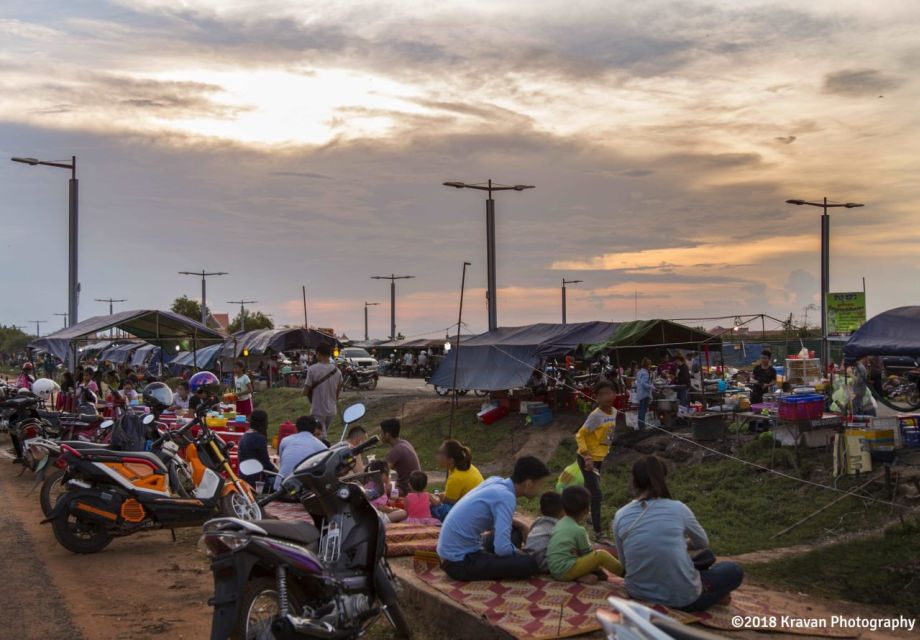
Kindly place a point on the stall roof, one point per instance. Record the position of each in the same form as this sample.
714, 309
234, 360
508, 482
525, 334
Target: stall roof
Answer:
120, 353
161, 327
205, 358
653, 333
895, 332
140, 354
422, 343
505, 358
260, 341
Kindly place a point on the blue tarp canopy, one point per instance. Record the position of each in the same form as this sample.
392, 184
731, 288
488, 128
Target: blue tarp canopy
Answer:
204, 358
505, 358
119, 353
895, 332
140, 355
262, 341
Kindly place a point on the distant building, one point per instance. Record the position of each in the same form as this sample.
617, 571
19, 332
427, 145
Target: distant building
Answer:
219, 321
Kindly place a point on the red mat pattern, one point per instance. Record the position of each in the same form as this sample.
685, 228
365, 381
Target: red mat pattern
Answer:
403, 539
542, 609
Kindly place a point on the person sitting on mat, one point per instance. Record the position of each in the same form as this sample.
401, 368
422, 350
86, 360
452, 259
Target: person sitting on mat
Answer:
651, 534
490, 508
542, 528
570, 555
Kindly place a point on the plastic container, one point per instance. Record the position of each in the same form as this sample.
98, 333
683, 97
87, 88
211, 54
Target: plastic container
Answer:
493, 415
801, 407
286, 429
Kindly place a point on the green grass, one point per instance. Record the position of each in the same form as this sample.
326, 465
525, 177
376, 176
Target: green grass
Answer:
741, 508
881, 571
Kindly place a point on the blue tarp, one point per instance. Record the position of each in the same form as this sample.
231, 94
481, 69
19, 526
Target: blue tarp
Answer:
262, 341
119, 354
506, 357
892, 333
205, 358
140, 355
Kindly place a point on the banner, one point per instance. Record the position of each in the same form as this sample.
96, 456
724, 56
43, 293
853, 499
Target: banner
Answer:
846, 312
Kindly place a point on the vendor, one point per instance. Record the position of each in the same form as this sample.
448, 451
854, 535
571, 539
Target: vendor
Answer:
537, 384
763, 377
682, 380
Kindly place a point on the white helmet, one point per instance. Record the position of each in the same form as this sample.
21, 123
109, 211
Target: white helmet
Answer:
43, 387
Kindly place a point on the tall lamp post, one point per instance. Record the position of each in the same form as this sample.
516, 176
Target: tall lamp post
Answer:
64, 315
392, 278
38, 332
111, 302
73, 283
492, 289
204, 289
242, 304
366, 305
825, 263
565, 282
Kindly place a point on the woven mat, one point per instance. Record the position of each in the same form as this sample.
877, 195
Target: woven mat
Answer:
403, 539
542, 609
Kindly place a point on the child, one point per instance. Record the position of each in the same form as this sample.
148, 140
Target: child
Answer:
593, 440
378, 491
419, 501
569, 555
128, 392
542, 528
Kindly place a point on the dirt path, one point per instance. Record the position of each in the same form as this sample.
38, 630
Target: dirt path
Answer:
141, 587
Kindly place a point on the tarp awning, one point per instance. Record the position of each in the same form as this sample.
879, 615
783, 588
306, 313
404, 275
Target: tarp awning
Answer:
895, 332
120, 353
204, 358
141, 354
164, 328
262, 341
505, 358
657, 333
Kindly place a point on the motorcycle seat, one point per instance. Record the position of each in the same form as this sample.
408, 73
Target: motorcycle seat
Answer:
109, 455
301, 532
82, 445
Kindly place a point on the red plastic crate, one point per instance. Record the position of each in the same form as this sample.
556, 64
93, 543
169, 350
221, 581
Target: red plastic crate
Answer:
809, 407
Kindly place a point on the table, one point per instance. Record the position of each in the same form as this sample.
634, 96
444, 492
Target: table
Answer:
798, 429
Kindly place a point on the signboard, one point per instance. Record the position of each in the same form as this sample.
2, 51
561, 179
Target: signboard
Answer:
846, 312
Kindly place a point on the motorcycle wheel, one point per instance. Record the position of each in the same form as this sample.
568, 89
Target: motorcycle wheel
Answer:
78, 536
372, 384
234, 505
52, 490
260, 606
441, 391
479, 393
386, 593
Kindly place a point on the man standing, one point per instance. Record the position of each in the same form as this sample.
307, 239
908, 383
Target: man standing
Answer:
401, 456
490, 507
322, 386
297, 447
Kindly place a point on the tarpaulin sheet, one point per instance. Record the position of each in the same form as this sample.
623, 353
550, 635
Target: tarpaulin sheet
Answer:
261, 341
164, 328
892, 333
204, 358
140, 355
663, 333
120, 353
506, 357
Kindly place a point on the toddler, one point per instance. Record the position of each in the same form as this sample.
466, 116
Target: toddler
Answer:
570, 555
378, 491
419, 501
542, 529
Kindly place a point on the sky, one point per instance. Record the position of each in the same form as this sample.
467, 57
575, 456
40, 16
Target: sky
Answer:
295, 143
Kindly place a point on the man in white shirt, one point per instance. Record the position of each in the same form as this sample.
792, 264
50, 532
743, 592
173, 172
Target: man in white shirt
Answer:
322, 385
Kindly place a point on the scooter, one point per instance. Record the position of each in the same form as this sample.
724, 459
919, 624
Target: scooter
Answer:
359, 378
25, 424
293, 580
117, 493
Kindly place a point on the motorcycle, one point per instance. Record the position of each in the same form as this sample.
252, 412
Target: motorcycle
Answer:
25, 424
292, 580
117, 493
359, 378
633, 621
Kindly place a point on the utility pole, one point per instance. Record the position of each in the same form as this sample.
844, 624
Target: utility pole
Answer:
65, 318
565, 282
392, 278
366, 305
454, 402
305, 324
242, 304
111, 302
204, 289
73, 282
492, 287
38, 332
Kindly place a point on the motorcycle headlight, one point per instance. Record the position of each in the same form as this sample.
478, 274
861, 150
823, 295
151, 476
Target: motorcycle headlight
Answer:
218, 543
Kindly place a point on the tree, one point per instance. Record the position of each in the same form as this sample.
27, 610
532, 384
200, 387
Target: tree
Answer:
257, 320
187, 307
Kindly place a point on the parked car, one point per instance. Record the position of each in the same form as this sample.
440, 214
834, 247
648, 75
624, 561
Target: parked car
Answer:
357, 357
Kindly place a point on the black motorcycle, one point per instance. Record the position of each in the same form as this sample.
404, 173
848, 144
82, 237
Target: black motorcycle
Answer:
294, 580
360, 378
25, 424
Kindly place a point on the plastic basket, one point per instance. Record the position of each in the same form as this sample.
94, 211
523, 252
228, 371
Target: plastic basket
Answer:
801, 407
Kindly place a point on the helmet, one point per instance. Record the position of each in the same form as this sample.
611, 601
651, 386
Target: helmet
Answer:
157, 395
27, 366
203, 379
43, 387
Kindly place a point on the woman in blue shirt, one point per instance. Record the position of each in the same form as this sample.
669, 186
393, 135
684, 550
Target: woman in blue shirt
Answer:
644, 390
254, 445
655, 537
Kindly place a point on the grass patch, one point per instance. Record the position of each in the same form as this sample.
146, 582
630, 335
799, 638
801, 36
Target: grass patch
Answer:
880, 571
740, 507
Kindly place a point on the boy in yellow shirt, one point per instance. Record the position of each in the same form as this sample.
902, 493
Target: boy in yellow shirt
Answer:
593, 439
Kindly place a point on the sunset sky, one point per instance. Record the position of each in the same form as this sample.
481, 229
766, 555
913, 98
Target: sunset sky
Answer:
296, 142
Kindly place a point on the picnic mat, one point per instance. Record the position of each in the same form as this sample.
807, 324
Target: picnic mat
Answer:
542, 609
403, 538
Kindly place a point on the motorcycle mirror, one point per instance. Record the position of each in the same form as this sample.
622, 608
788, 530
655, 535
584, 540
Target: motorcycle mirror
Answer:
354, 413
148, 418
250, 467
106, 424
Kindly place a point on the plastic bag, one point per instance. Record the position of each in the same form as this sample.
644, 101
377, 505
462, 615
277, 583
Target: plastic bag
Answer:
571, 476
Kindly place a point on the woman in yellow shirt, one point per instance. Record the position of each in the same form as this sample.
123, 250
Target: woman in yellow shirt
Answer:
462, 476
593, 439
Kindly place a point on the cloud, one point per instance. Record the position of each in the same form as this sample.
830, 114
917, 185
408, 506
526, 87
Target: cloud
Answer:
301, 174
860, 82
785, 139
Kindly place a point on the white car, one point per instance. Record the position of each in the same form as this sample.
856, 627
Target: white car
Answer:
358, 358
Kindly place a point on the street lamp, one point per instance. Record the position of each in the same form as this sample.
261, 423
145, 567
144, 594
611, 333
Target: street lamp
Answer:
204, 291
242, 304
565, 282
392, 279
491, 293
38, 332
366, 305
63, 315
825, 262
73, 284
111, 302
